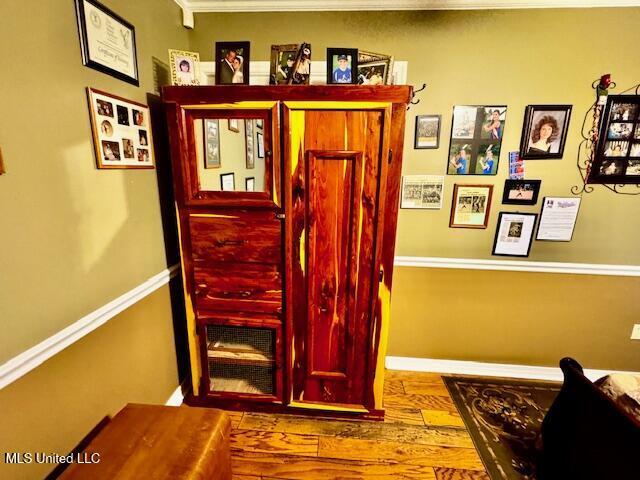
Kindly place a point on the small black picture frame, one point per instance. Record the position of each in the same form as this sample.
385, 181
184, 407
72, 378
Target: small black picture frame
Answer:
521, 192
226, 73
224, 177
544, 131
97, 23
427, 132
336, 74
518, 251
250, 184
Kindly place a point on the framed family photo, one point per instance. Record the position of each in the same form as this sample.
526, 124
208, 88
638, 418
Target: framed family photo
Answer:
232, 63
427, 134
342, 66
374, 68
544, 132
107, 41
470, 206
521, 192
185, 67
476, 139
514, 234
121, 131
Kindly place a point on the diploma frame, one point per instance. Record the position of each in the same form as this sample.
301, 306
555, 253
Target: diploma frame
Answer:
84, 42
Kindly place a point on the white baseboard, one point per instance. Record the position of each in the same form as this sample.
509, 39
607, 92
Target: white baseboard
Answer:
486, 369
519, 266
176, 398
26, 361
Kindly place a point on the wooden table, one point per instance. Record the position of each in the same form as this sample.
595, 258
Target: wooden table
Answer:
158, 442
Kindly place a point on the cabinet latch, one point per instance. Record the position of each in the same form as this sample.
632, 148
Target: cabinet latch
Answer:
390, 158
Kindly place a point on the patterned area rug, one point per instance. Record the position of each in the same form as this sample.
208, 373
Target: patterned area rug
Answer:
504, 417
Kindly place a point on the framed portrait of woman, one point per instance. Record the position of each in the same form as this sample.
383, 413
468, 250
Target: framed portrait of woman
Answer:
544, 132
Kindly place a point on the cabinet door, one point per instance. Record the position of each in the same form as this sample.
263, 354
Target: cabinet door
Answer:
335, 165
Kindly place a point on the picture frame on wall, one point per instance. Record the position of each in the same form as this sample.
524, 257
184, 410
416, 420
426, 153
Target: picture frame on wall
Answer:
185, 67
558, 219
374, 68
544, 132
514, 234
211, 135
476, 139
422, 191
342, 66
121, 131
470, 206
249, 145
234, 125
107, 41
521, 192
250, 184
260, 141
227, 182
617, 153
427, 132
232, 63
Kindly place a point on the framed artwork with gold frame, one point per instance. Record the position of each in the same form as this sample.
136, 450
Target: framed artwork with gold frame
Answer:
121, 131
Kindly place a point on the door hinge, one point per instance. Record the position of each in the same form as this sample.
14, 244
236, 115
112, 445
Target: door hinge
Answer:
381, 274
390, 158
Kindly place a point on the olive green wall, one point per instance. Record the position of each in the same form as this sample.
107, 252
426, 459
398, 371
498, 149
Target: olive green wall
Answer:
52, 408
73, 237
512, 57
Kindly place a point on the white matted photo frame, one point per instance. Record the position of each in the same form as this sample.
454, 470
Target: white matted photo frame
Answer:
185, 67
121, 131
422, 191
514, 234
558, 218
544, 132
470, 206
107, 41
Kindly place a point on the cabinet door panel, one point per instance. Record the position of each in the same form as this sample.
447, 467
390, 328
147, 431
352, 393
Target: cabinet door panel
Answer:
334, 179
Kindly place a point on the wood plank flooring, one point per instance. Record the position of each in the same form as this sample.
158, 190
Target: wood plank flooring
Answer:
422, 437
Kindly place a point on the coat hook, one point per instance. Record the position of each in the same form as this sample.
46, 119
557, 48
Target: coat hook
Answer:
415, 101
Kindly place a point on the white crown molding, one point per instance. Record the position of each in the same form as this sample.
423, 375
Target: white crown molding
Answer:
458, 367
259, 73
202, 6
519, 266
26, 361
187, 13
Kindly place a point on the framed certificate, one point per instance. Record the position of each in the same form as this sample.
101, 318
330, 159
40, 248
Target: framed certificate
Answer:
558, 218
107, 41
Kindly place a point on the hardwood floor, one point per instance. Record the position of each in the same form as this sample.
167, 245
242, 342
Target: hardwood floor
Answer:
422, 437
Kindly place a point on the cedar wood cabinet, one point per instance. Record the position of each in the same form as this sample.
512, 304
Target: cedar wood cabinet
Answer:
288, 287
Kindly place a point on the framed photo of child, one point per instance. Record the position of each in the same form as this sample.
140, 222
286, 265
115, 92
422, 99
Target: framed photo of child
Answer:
185, 67
544, 132
342, 66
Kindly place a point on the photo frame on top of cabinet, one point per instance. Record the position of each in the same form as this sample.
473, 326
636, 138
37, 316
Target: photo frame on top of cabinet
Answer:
470, 206
521, 192
514, 234
342, 66
427, 132
544, 132
617, 157
374, 68
476, 139
121, 131
185, 67
232, 63
211, 135
107, 41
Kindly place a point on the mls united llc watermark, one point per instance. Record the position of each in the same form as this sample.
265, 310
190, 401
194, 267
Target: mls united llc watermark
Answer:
41, 457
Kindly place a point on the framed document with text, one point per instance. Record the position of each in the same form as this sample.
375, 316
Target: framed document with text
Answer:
107, 41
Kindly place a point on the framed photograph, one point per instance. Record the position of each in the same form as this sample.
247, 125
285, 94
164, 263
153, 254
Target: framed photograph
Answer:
558, 218
544, 132
227, 182
211, 135
107, 41
121, 131
232, 63
470, 206
250, 184
422, 191
290, 64
476, 139
514, 234
427, 134
185, 67
374, 68
260, 123
250, 147
234, 125
521, 192
260, 140
617, 156
342, 66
